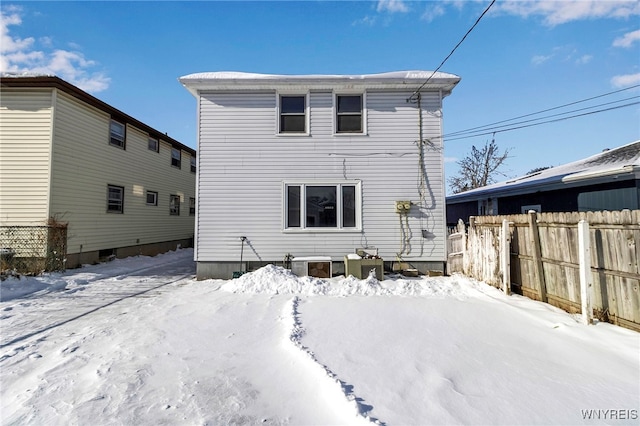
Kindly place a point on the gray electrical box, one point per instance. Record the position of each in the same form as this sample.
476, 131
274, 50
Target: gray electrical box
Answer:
362, 263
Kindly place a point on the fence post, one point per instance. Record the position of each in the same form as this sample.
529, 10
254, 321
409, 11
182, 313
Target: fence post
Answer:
537, 255
505, 257
462, 229
469, 257
586, 286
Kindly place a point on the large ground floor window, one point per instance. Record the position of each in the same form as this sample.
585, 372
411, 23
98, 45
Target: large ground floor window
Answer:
314, 206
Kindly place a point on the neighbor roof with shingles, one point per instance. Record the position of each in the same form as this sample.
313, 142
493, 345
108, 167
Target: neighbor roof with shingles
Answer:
617, 163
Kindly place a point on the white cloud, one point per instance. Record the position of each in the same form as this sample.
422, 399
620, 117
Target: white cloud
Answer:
560, 12
627, 40
584, 59
562, 53
626, 80
432, 12
552, 12
540, 59
21, 56
46, 41
8, 43
450, 159
392, 6
367, 20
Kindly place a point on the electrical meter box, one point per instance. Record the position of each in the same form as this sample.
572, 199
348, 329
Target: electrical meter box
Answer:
313, 266
403, 207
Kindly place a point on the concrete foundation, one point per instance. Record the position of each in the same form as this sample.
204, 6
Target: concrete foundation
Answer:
225, 270
75, 260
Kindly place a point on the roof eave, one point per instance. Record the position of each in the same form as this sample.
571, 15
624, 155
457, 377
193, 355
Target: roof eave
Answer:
194, 84
53, 82
620, 174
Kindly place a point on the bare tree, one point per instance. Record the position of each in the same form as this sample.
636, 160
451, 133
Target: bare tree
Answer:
479, 167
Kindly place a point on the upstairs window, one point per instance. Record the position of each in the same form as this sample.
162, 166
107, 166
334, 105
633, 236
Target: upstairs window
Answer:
320, 206
192, 206
193, 164
174, 205
115, 199
153, 145
176, 157
293, 114
116, 134
349, 114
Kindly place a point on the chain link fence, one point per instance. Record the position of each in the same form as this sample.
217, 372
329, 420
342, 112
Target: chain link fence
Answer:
31, 250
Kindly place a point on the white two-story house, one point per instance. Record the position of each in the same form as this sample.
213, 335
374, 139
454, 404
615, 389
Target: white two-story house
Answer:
319, 165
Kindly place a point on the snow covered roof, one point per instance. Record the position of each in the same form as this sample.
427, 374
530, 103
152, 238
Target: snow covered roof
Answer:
614, 164
231, 80
24, 74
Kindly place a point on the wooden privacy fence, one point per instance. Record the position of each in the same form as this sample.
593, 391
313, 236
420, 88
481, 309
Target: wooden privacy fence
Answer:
541, 256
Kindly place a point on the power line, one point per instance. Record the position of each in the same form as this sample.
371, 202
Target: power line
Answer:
413, 95
544, 122
540, 112
472, 133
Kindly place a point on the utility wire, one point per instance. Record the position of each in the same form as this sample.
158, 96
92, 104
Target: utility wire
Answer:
540, 112
472, 132
544, 122
412, 98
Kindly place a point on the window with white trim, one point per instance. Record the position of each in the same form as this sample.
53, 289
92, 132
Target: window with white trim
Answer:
192, 206
174, 205
115, 199
152, 198
349, 113
193, 164
153, 145
117, 134
320, 206
176, 157
292, 111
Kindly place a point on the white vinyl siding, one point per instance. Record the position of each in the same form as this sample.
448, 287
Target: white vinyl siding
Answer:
25, 156
83, 166
243, 168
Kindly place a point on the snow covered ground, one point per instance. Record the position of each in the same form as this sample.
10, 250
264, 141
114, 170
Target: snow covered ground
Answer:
139, 342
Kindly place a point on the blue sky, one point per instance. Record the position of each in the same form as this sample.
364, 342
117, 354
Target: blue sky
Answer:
523, 57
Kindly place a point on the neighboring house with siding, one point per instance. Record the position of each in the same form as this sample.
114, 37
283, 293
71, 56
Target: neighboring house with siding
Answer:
314, 165
609, 180
123, 187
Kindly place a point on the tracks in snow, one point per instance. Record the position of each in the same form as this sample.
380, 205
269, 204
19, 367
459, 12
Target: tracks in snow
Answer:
329, 381
39, 314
